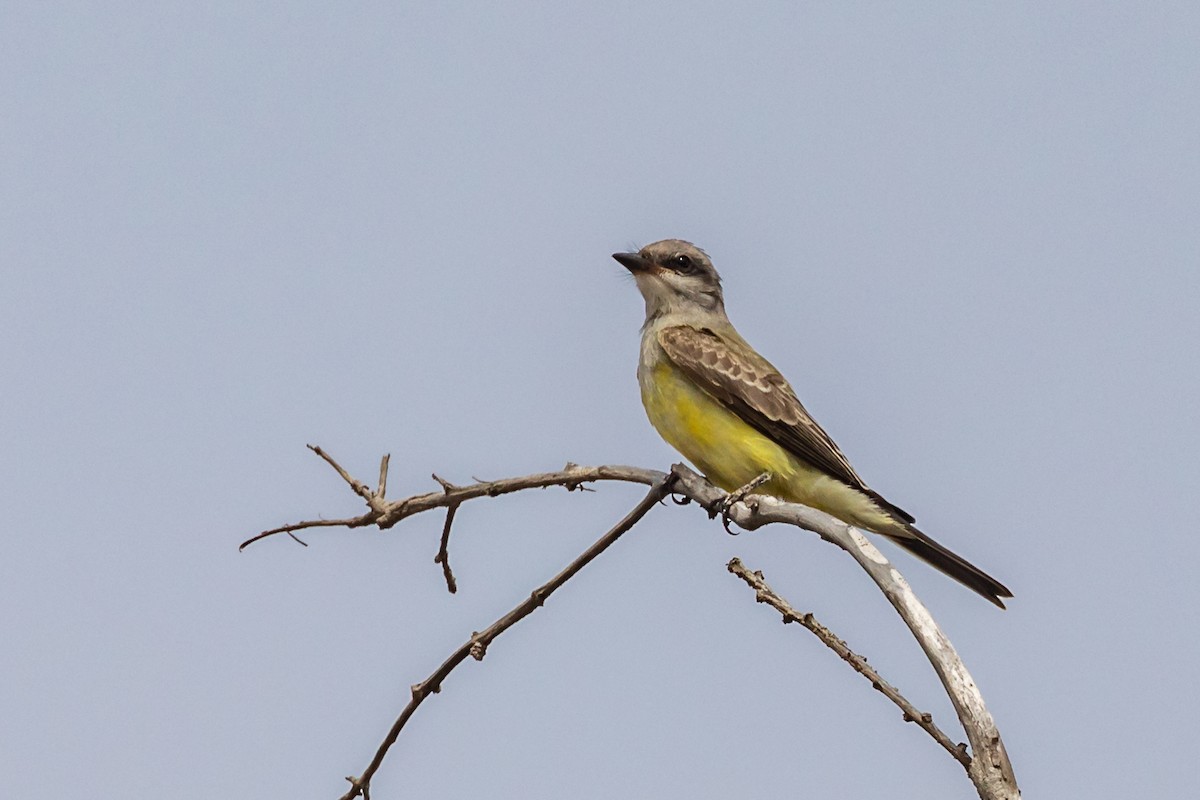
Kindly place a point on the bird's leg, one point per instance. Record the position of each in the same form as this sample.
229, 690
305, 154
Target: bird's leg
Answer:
726, 504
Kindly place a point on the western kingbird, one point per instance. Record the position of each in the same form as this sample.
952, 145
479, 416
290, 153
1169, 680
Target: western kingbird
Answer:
729, 412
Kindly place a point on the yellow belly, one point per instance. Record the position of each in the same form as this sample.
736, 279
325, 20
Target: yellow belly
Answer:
731, 453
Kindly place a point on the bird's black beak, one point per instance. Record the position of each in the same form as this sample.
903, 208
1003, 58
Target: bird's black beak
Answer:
634, 262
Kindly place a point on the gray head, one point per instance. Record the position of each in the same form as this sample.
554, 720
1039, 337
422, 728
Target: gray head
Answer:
674, 276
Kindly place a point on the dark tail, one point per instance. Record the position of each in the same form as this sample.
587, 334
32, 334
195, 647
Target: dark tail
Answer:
953, 565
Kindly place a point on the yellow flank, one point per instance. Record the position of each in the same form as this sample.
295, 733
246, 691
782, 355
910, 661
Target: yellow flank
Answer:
731, 453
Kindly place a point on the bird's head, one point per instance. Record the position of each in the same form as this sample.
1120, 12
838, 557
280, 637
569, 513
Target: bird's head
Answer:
674, 277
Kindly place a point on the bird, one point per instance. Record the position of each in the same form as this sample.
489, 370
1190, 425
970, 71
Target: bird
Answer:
726, 409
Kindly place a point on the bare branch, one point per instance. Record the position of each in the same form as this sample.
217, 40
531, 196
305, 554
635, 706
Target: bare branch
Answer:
374, 499
990, 769
765, 594
477, 645
386, 513
354, 522
443, 553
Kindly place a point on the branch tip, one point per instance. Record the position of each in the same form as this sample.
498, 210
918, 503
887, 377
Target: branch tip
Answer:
383, 475
443, 553
446, 485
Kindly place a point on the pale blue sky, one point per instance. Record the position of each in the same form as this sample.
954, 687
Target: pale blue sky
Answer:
967, 234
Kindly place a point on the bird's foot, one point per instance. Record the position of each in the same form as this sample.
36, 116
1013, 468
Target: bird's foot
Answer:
725, 505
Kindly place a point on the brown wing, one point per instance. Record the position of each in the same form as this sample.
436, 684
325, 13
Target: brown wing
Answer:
748, 385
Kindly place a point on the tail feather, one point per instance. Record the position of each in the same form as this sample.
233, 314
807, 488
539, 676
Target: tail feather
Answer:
953, 565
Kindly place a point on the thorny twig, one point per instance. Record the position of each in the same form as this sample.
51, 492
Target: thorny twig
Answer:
763, 593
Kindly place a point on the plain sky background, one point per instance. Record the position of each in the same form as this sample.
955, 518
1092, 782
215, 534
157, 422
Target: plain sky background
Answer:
967, 233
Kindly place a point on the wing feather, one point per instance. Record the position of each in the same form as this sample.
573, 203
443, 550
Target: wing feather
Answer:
752, 388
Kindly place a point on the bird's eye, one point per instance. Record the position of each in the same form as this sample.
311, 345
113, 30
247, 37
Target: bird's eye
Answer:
684, 264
